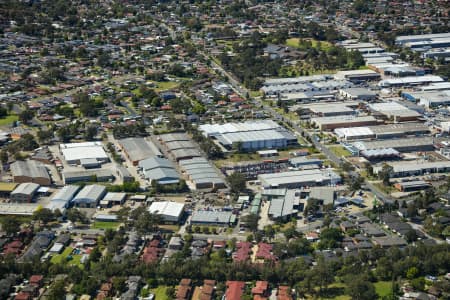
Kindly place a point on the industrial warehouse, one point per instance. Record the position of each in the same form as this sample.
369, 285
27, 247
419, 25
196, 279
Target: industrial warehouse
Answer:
78, 153
297, 179
251, 135
137, 149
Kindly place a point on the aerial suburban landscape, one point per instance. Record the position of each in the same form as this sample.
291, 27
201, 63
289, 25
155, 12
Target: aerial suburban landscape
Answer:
224, 150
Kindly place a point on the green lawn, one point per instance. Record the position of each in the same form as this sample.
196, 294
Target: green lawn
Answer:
160, 293
62, 258
340, 151
383, 288
8, 120
294, 42
105, 225
166, 85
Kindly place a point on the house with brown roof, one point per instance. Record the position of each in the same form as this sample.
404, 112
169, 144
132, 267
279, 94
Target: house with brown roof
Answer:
261, 290
205, 292
235, 290
243, 251
184, 290
36, 280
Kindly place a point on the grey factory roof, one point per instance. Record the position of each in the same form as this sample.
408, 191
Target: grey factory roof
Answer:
216, 129
399, 128
249, 136
356, 91
198, 166
393, 109
421, 37
399, 167
410, 80
115, 197
193, 161
27, 188
342, 119
162, 174
373, 153
327, 107
292, 177
66, 194
209, 216
90, 193
174, 145
283, 206
70, 176
396, 144
139, 148
180, 153
170, 137
29, 168
155, 162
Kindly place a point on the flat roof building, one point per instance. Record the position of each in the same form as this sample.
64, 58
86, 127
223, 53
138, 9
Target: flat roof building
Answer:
410, 81
381, 131
160, 170
209, 217
137, 149
89, 196
74, 153
101, 175
282, 208
24, 192
167, 210
30, 171
250, 135
112, 198
202, 174
416, 168
330, 123
394, 111
413, 144
297, 179
62, 198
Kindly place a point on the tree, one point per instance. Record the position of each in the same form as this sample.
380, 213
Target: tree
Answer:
95, 255
4, 156
251, 221
26, 116
360, 288
385, 174
10, 225
356, 182
57, 291
237, 182
330, 238
43, 215
44, 135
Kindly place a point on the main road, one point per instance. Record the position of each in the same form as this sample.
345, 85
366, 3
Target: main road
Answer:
238, 88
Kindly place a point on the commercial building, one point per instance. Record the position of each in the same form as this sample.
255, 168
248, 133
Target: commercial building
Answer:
89, 196
394, 111
251, 135
298, 179
404, 169
137, 149
209, 217
412, 186
62, 198
405, 39
112, 198
330, 123
18, 209
285, 205
357, 76
102, 175
381, 131
75, 152
169, 211
160, 170
330, 86
24, 192
429, 99
409, 81
413, 144
30, 171
355, 93
202, 174
327, 109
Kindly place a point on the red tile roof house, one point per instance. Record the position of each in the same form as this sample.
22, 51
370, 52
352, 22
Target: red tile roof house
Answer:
265, 252
235, 290
184, 290
36, 280
23, 296
261, 290
243, 251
